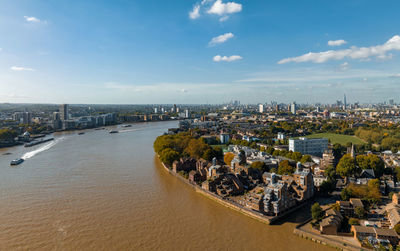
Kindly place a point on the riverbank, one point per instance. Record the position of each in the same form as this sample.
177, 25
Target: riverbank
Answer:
232, 205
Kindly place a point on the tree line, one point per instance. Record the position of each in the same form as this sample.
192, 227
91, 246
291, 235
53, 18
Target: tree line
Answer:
174, 147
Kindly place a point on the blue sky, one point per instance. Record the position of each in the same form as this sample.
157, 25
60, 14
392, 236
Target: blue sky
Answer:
206, 51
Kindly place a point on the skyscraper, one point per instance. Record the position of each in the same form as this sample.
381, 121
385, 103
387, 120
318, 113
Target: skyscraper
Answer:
260, 108
64, 113
293, 108
344, 102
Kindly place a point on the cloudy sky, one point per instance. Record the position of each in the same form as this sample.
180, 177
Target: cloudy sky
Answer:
206, 51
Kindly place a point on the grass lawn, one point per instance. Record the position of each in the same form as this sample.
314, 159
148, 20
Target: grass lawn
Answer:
337, 138
223, 147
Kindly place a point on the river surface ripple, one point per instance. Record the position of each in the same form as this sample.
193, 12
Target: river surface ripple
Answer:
101, 191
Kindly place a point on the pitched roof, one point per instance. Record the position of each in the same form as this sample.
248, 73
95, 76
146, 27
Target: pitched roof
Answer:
362, 229
386, 232
356, 202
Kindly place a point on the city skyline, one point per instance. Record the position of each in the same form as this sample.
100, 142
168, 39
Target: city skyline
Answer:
193, 52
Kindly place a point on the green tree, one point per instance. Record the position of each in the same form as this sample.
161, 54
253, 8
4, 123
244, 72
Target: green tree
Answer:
374, 184
285, 168
354, 221
360, 212
316, 211
362, 161
345, 194
218, 153
397, 228
376, 164
346, 166
7, 134
330, 172
296, 156
196, 148
306, 158
327, 187
270, 150
168, 156
208, 154
259, 165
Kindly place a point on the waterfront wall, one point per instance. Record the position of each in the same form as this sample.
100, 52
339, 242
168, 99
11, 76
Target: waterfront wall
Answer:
232, 205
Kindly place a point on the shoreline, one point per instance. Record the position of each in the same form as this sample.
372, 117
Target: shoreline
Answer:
269, 220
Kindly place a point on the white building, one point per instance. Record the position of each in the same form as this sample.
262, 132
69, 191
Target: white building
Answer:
260, 108
281, 136
314, 147
293, 108
319, 179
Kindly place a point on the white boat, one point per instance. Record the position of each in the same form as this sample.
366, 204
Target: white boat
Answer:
16, 162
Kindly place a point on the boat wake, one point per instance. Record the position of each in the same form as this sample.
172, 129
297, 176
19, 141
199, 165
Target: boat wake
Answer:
128, 130
31, 154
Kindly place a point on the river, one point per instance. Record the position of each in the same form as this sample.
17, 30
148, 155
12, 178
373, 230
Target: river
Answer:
101, 191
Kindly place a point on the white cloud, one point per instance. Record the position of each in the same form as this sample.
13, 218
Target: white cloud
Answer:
32, 19
195, 13
336, 42
122, 87
224, 18
1, 49
219, 58
18, 68
362, 53
345, 66
395, 75
220, 8
220, 39
183, 90
313, 74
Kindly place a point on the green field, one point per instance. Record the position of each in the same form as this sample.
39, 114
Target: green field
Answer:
337, 138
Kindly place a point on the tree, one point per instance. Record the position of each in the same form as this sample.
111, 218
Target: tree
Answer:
296, 156
362, 161
330, 172
285, 168
374, 184
360, 212
208, 154
354, 221
306, 158
270, 150
196, 148
346, 166
345, 194
168, 156
337, 150
327, 187
218, 153
259, 165
228, 158
7, 134
316, 211
336, 207
397, 228
376, 164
